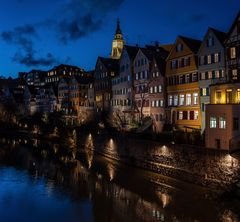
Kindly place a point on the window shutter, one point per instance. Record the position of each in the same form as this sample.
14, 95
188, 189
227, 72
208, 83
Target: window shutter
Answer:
212, 58
191, 115
213, 74
201, 91
207, 91
219, 57
205, 60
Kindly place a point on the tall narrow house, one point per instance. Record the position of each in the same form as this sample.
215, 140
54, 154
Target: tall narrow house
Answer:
211, 65
105, 70
183, 88
122, 85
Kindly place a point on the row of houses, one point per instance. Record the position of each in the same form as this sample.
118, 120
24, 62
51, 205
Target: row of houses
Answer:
184, 84
191, 85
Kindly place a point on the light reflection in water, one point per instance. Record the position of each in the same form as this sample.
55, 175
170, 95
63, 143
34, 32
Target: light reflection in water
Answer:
111, 171
89, 142
89, 156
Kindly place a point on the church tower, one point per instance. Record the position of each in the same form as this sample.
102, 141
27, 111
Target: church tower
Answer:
117, 43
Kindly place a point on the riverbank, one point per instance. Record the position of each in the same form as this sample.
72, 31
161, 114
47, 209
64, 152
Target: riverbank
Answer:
215, 169
209, 168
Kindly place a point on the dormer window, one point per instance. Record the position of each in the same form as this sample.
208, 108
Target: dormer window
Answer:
179, 47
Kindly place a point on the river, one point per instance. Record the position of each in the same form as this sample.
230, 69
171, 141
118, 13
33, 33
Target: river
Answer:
99, 189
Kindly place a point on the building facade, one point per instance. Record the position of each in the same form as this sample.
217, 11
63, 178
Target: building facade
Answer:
46, 99
183, 88
54, 75
222, 117
122, 85
232, 44
105, 70
157, 92
211, 65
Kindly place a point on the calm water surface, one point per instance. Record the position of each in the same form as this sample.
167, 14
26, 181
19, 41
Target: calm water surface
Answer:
97, 189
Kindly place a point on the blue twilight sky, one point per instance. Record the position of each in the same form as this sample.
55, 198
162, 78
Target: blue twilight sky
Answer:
38, 34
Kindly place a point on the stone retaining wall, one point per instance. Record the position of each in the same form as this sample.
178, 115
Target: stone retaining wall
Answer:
191, 164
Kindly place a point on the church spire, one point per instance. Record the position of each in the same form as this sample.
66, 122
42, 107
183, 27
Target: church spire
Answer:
118, 30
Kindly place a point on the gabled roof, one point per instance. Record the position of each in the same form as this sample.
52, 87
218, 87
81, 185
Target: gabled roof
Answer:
234, 23
110, 64
154, 52
132, 51
219, 34
63, 66
193, 44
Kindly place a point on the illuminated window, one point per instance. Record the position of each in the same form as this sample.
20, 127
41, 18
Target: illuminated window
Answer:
209, 59
204, 91
175, 100
170, 100
159, 88
234, 73
217, 74
222, 123
213, 122
181, 102
195, 115
195, 98
210, 75
136, 76
232, 52
180, 115
153, 103
161, 103
203, 75
188, 99
238, 95
194, 77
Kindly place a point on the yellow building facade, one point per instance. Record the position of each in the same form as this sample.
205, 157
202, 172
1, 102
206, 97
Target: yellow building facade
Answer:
183, 89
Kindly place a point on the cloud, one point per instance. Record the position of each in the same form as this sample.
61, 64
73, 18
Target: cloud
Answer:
78, 19
21, 36
81, 18
30, 60
77, 28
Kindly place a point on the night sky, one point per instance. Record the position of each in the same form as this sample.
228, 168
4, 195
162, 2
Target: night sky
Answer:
38, 34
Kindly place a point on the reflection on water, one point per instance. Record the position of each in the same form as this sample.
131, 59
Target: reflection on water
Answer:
97, 189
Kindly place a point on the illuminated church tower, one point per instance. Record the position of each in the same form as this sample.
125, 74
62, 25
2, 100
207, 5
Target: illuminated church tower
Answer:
117, 43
